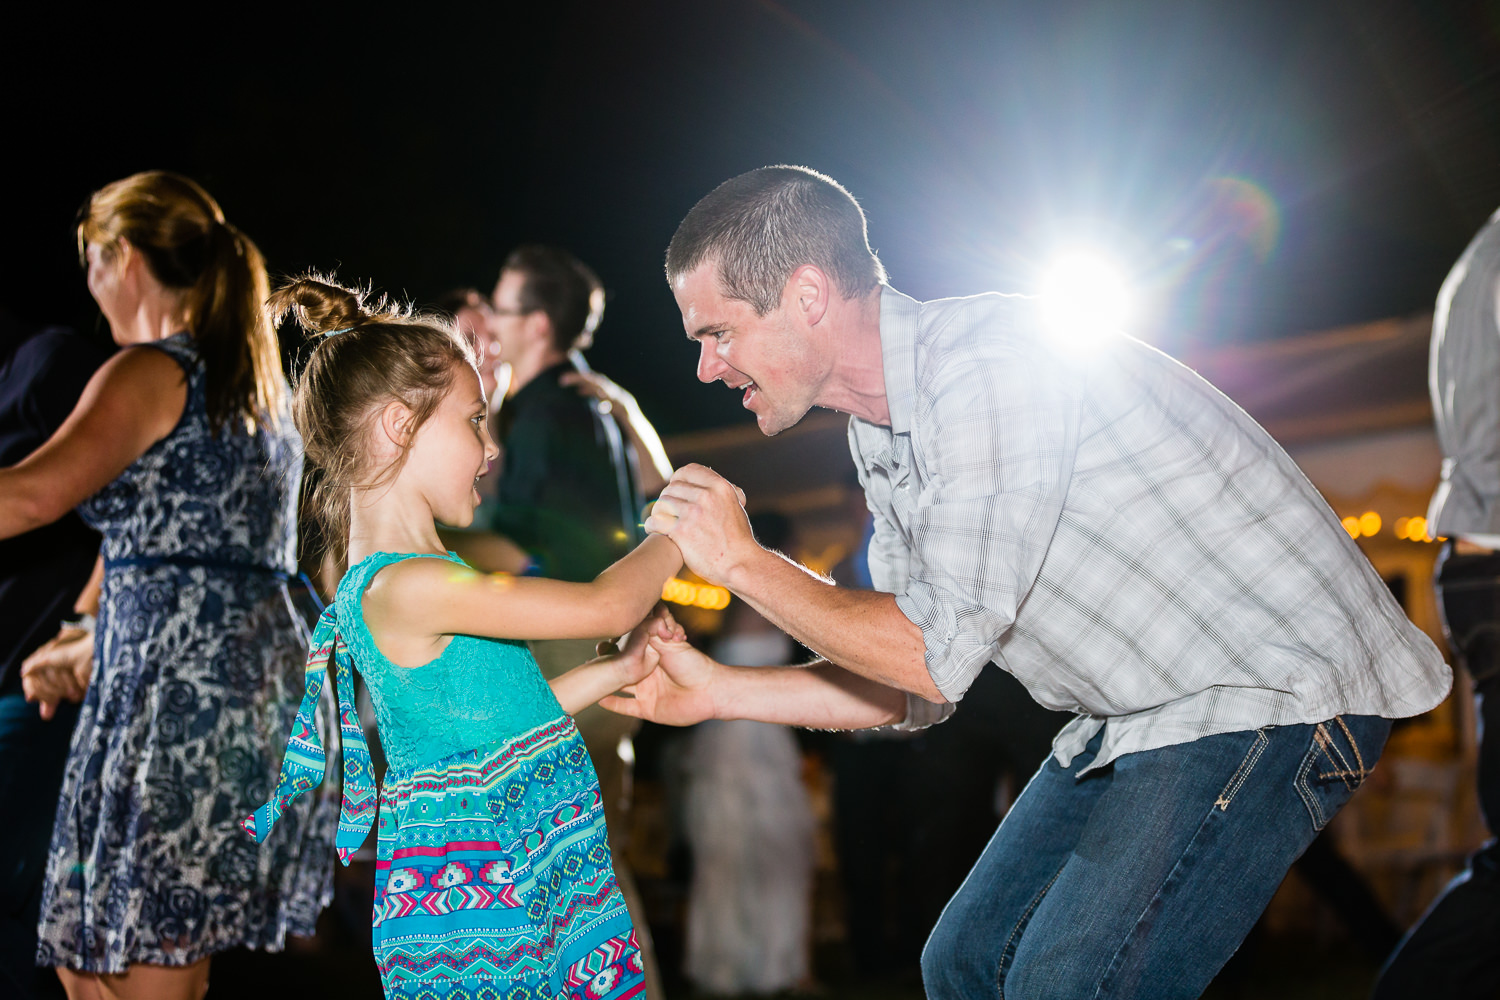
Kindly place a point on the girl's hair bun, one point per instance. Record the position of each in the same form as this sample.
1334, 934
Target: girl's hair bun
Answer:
322, 306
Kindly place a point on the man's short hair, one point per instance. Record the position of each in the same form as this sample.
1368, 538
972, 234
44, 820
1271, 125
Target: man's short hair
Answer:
761, 226
563, 287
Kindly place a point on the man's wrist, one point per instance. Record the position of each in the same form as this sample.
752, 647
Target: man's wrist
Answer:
742, 574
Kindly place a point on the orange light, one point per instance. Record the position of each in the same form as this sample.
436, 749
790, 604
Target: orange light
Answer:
1351, 525
1416, 529
704, 596
1369, 524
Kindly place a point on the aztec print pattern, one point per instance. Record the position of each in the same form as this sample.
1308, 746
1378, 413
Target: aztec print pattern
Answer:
302, 767
493, 878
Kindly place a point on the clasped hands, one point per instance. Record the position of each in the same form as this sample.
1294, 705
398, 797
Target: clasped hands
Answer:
60, 670
673, 683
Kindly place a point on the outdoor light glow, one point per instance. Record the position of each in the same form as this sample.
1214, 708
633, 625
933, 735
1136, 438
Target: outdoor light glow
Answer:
1085, 298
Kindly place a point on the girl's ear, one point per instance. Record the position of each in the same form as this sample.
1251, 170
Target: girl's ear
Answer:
395, 424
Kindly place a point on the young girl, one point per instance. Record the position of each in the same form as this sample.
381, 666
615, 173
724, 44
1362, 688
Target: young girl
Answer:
493, 875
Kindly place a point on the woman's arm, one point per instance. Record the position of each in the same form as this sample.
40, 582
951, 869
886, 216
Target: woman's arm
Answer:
133, 401
422, 600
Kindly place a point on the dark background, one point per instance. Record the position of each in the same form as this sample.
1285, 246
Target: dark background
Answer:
1260, 168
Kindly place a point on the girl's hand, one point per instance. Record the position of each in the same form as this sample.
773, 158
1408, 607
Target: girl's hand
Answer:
679, 692
59, 671
639, 657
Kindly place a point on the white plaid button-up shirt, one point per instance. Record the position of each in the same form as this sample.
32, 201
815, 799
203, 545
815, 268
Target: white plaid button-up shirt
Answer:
1117, 534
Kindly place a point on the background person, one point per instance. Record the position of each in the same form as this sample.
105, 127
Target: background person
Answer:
750, 826
181, 453
1452, 950
42, 577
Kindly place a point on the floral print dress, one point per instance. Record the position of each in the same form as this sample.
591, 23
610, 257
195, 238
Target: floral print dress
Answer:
198, 675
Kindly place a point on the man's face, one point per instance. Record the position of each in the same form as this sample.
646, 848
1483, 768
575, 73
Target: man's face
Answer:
770, 359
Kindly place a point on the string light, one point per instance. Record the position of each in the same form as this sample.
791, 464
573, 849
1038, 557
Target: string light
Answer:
697, 595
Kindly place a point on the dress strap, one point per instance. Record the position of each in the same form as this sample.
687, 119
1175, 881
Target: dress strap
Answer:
302, 767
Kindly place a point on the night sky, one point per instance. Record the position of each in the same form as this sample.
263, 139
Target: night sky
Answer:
1260, 168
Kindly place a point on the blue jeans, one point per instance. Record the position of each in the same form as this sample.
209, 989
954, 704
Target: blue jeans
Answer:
1140, 879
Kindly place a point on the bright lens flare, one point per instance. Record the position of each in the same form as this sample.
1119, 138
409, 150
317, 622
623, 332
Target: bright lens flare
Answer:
1085, 299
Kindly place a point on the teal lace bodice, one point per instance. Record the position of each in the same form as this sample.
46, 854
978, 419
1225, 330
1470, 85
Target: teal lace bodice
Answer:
478, 692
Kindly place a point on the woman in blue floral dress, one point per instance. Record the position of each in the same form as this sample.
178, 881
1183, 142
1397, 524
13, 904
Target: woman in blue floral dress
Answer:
180, 452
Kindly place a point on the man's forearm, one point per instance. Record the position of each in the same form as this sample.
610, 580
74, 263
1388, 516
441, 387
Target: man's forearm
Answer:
817, 696
862, 631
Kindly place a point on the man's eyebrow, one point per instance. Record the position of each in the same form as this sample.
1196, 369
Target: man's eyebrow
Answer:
704, 331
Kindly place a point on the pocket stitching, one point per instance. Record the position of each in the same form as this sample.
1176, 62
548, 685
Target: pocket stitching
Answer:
1242, 773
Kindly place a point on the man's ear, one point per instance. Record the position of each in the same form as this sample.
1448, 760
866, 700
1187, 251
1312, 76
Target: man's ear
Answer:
808, 290
537, 328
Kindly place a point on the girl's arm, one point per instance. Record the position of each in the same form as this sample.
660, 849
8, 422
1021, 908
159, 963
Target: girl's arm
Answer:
435, 597
615, 669
133, 401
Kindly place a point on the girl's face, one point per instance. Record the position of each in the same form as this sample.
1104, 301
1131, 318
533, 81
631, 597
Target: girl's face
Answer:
452, 450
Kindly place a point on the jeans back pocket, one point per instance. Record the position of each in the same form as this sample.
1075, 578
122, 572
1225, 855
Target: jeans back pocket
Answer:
1343, 752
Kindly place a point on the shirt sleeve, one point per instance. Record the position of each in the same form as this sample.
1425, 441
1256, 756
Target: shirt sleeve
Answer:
995, 437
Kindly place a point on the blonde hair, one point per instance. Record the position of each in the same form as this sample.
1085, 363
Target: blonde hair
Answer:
188, 246
367, 355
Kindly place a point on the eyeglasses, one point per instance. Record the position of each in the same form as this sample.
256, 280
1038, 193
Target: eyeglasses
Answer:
512, 312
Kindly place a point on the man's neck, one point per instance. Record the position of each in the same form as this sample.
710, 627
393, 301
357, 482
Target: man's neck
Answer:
858, 384
523, 370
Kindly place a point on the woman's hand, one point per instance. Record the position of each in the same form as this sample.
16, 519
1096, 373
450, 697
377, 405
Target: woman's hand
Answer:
60, 670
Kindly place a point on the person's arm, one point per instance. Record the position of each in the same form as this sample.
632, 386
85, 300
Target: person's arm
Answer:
656, 468
863, 631
997, 439
420, 600
613, 668
690, 687
133, 401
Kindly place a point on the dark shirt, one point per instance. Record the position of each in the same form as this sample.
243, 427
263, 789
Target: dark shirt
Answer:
42, 571
569, 489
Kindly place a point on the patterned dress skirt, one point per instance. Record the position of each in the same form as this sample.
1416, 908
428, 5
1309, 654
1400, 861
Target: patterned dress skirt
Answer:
493, 878
180, 734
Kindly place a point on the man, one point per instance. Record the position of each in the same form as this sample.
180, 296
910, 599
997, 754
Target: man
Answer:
1453, 951
1102, 524
571, 480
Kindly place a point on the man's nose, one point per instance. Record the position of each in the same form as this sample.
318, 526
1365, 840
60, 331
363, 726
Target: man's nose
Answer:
710, 367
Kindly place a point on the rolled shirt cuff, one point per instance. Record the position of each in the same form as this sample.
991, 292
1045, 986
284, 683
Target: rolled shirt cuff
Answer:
921, 713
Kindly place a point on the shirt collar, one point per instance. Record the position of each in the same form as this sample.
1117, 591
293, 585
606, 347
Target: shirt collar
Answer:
899, 315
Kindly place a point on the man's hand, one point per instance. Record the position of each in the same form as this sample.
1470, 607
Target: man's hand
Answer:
705, 515
679, 692
59, 671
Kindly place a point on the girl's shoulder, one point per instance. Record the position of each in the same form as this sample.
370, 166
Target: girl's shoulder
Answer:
356, 581
355, 587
